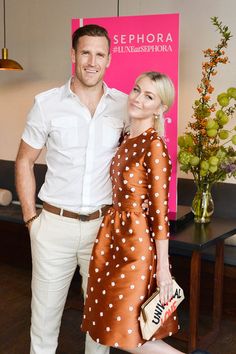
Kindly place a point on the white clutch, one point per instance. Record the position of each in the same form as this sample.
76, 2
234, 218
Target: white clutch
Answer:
153, 314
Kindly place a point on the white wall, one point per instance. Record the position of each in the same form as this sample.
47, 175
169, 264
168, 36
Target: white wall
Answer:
38, 36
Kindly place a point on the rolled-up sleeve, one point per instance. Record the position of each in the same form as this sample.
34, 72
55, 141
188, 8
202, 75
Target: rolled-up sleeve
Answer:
35, 132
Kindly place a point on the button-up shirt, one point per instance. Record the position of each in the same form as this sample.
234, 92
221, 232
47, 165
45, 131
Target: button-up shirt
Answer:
79, 147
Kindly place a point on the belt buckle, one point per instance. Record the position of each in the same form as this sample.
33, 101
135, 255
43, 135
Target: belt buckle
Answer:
83, 217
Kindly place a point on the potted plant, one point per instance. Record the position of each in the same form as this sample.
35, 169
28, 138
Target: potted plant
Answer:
207, 148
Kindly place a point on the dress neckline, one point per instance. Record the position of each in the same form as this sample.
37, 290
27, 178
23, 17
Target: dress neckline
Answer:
137, 136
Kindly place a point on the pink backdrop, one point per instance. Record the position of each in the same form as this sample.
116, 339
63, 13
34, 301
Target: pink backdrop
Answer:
144, 43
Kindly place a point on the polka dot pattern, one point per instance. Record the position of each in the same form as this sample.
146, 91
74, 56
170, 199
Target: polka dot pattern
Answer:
123, 257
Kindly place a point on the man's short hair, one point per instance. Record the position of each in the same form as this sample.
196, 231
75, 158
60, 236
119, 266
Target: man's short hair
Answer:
91, 30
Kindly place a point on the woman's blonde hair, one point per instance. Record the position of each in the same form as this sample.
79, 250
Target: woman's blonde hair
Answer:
166, 92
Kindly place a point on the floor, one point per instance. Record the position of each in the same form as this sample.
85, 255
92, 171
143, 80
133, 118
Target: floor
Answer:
15, 319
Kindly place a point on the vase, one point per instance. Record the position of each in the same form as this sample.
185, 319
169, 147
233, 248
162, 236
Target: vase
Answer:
203, 205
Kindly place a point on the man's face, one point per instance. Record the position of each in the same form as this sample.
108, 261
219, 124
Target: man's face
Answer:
91, 59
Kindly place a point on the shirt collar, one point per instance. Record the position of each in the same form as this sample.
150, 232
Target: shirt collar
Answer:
67, 92
109, 91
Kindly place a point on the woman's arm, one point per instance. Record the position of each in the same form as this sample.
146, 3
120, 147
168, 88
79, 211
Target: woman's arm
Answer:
163, 275
159, 170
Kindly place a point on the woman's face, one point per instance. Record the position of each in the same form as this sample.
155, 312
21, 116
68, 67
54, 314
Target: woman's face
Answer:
143, 100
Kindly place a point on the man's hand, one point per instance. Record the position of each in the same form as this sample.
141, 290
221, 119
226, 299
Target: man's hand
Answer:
145, 206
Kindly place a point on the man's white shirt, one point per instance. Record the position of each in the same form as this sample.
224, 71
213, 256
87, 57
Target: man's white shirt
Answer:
79, 147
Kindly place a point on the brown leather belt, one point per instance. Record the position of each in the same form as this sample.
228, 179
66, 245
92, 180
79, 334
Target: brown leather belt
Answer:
70, 214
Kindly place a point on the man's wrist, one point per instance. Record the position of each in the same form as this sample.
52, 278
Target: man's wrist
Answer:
29, 221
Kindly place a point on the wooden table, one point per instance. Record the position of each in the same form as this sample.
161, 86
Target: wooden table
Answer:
195, 238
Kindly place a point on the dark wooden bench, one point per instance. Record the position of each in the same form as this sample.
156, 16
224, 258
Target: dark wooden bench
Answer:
15, 245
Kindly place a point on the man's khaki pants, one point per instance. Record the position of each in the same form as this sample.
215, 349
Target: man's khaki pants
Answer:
58, 245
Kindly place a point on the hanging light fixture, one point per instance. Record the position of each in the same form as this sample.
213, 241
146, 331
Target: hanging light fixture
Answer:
118, 8
5, 63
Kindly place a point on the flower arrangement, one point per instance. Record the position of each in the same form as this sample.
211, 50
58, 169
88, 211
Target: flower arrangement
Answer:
207, 148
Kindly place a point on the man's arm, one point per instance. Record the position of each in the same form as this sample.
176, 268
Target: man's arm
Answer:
25, 179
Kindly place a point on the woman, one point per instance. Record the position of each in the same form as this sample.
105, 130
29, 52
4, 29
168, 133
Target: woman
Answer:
130, 255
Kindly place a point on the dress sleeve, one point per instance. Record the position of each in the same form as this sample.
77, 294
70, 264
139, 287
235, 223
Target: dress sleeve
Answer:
158, 165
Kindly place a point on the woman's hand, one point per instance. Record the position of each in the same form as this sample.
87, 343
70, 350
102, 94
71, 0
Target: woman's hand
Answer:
165, 284
163, 275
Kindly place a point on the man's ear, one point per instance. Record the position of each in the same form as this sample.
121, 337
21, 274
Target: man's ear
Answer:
72, 54
109, 61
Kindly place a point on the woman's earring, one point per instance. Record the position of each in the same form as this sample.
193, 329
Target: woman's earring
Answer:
156, 116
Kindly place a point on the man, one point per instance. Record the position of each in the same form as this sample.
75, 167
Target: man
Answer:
80, 124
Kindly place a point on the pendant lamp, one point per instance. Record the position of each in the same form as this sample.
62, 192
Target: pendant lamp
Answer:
5, 63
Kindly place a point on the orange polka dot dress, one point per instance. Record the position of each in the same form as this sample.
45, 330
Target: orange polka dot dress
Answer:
123, 262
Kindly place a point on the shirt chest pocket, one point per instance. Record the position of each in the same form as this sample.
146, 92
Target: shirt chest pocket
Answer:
65, 132
111, 131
